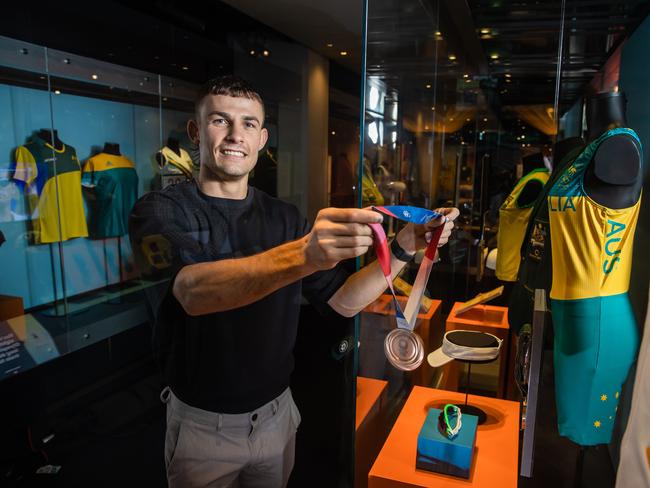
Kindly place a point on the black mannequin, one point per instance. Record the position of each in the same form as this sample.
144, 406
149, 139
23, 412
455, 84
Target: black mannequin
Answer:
531, 190
112, 148
562, 148
49, 136
174, 145
614, 178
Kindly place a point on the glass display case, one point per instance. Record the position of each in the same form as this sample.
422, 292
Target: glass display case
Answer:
82, 139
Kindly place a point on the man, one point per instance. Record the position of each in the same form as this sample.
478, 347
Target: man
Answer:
225, 327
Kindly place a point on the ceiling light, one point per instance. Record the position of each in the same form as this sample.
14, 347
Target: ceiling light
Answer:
494, 56
266, 53
343, 53
433, 108
452, 57
451, 119
438, 33
252, 52
329, 44
94, 77
508, 80
485, 30
185, 68
333, 132
57, 92
467, 120
485, 119
428, 86
426, 127
523, 136
508, 75
465, 75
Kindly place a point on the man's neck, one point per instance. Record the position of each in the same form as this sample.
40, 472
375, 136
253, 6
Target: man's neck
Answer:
234, 189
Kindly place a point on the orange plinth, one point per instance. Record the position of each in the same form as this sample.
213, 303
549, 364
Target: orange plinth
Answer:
484, 318
371, 399
495, 455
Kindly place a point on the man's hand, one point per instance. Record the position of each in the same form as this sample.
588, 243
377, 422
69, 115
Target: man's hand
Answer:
413, 237
338, 234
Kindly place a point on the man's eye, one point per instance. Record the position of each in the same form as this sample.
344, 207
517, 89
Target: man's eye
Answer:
250, 125
219, 121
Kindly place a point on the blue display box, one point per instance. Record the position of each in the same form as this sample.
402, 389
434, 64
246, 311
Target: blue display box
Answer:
442, 455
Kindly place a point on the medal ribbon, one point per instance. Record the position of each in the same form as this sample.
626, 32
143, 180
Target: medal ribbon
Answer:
406, 319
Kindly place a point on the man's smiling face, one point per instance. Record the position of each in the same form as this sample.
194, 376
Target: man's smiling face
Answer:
230, 135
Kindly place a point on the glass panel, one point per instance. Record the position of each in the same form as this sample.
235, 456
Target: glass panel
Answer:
457, 95
31, 270
106, 115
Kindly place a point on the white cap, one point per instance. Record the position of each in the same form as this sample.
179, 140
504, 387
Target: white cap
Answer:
468, 345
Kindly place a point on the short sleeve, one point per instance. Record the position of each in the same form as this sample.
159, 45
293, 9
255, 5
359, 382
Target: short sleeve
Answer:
88, 172
319, 287
158, 232
26, 169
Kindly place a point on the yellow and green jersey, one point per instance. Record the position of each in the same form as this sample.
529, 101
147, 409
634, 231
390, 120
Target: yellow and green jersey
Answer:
52, 180
596, 336
513, 221
114, 190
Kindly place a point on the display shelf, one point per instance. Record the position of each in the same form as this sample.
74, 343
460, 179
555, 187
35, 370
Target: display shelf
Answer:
495, 456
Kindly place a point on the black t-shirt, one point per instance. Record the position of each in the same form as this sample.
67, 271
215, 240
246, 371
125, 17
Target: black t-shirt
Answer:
237, 360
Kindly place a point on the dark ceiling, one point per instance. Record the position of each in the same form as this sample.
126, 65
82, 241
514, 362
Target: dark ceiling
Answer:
508, 49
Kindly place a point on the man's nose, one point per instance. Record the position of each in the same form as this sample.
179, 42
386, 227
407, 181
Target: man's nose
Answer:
235, 133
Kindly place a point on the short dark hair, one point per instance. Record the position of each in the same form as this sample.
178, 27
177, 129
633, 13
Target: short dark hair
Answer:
230, 86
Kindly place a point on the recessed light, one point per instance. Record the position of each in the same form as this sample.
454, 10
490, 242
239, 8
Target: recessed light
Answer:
185, 68
343, 53
438, 33
452, 57
57, 92
433, 108
428, 85
485, 119
329, 44
426, 127
333, 132
252, 52
494, 56
508, 75
485, 30
467, 120
94, 77
266, 53
465, 75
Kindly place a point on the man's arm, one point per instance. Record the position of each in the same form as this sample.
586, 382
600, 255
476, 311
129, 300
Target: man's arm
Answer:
217, 286
364, 286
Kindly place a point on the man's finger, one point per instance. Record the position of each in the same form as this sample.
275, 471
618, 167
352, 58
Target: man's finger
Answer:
353, 241
345, 229
358, 215
450, 212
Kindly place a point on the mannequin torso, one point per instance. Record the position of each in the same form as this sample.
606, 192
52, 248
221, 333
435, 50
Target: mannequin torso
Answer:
614, 177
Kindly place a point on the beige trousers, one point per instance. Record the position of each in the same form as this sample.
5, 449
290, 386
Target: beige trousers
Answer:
248, 450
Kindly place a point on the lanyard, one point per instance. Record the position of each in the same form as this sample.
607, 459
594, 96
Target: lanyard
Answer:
406, 320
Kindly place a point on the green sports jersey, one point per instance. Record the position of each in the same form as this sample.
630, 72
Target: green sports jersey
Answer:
113, 190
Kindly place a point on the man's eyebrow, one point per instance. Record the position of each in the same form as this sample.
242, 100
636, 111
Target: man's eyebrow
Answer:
225, 115
228, 116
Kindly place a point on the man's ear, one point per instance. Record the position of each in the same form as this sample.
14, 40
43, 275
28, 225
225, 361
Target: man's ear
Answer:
264, 136
193, 131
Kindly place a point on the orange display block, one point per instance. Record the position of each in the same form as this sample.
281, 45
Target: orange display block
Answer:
427, 325
10, 307
495, 456
371, 398
370, 393
483, 318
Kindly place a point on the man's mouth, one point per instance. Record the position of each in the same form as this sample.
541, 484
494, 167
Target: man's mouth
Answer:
233, 152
